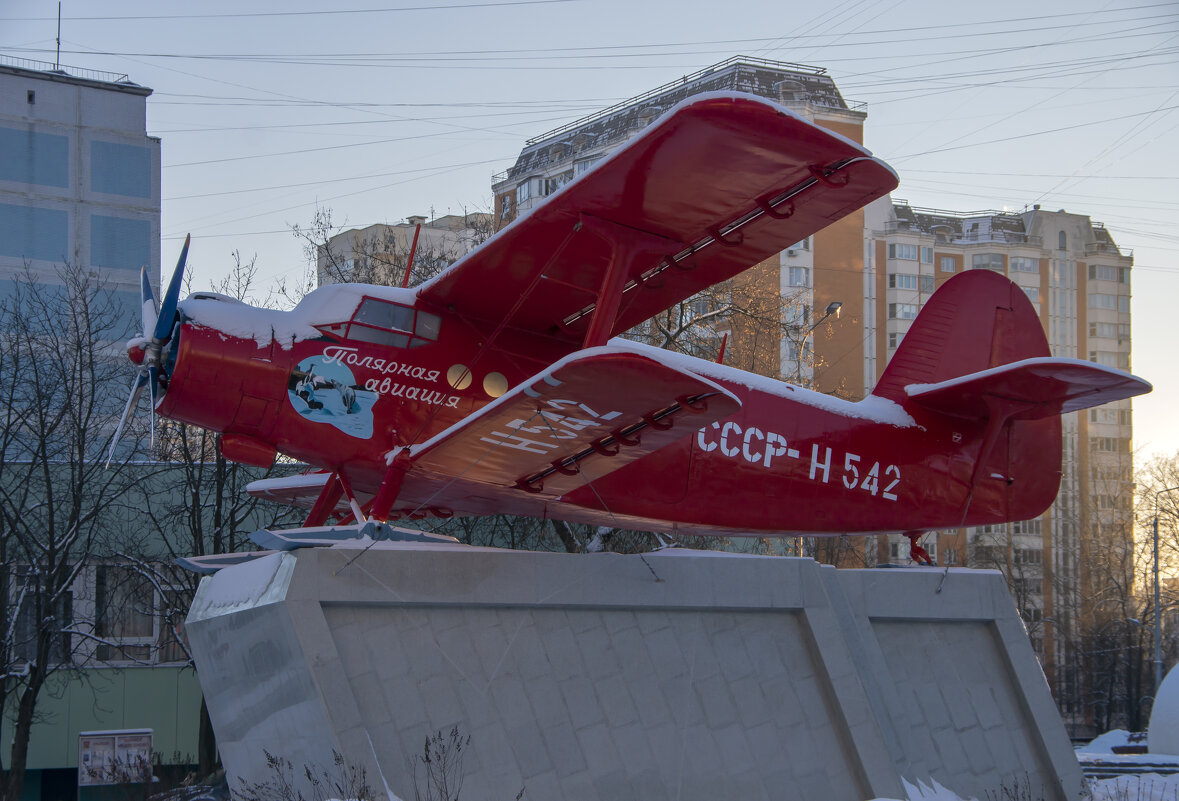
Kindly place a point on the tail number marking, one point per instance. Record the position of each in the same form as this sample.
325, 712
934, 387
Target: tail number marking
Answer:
872, 478
762, 447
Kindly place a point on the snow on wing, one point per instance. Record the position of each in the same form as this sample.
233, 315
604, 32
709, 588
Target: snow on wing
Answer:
716, 185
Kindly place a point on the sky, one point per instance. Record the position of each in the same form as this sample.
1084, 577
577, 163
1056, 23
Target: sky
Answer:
376, 111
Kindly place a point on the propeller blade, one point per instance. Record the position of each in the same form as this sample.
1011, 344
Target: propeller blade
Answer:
136, 388
150, 312
171, 297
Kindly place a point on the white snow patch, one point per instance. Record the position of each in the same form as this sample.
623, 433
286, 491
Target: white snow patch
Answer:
300, 481
872, 408
1105, 743
916, 390
333, 303
254, 583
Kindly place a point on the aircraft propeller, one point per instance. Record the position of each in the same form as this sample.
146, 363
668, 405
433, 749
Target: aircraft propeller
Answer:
147, 350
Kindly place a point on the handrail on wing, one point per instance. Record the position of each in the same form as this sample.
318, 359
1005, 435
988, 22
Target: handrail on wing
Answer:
723, 234
626, 436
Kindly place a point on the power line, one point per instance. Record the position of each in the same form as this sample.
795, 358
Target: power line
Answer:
333, 12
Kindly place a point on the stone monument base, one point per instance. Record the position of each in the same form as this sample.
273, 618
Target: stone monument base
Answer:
675, 675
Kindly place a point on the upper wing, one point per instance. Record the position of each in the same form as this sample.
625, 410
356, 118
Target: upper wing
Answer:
1037, 387
715, 186
588, 415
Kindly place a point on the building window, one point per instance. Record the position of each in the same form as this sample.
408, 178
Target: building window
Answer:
1028, 556
927, 255
896, 251
120, 243
117, 169
583, 165
987, 261
902, 281
799, 276
1022, 264
894, 339
1032, 615
1109, 444
557, 181
1103, 414
24, 634
1062, 241
524, 191
1120, 361
124, 603
1027, 527
31, 157
1032, 292
902, 311
1102, 272
28, 232
947, 264
1120, 303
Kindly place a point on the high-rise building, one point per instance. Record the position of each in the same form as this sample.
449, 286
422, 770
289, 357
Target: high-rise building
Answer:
79, 179
1078, 279
879, 265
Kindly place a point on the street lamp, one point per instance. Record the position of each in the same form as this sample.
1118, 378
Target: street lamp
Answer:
1158, 616
832, 308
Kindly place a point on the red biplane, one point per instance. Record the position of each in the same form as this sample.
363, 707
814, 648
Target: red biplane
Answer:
497, 387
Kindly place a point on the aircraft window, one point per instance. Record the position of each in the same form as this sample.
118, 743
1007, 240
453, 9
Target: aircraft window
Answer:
383, 314
427, 325
379, 336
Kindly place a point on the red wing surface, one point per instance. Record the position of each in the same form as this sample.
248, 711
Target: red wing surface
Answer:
586, 416
714, 187
1041, 386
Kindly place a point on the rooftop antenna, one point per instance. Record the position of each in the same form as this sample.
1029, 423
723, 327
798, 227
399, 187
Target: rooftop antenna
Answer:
57, 60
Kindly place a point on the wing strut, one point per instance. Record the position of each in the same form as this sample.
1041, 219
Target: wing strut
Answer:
329, 496
625, 251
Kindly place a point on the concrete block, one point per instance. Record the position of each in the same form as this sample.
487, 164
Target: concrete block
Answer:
584, 678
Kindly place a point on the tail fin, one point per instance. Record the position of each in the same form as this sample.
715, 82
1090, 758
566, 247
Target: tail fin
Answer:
975, 321
977, 358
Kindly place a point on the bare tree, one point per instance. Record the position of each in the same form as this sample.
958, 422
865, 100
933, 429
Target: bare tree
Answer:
60, 356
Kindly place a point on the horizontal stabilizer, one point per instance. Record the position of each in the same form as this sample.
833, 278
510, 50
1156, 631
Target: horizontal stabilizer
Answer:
1028, 389
588, 415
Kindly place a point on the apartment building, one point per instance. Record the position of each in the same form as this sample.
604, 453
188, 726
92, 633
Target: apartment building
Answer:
1078, 279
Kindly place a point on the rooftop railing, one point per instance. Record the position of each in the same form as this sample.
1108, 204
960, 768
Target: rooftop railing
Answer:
64, 69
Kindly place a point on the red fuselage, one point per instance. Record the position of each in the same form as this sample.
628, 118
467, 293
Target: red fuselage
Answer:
789, 460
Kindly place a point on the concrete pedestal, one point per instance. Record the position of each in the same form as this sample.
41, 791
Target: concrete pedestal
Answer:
678, 675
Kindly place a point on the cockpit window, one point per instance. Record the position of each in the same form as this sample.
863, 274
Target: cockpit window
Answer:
384, 315
392, 324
